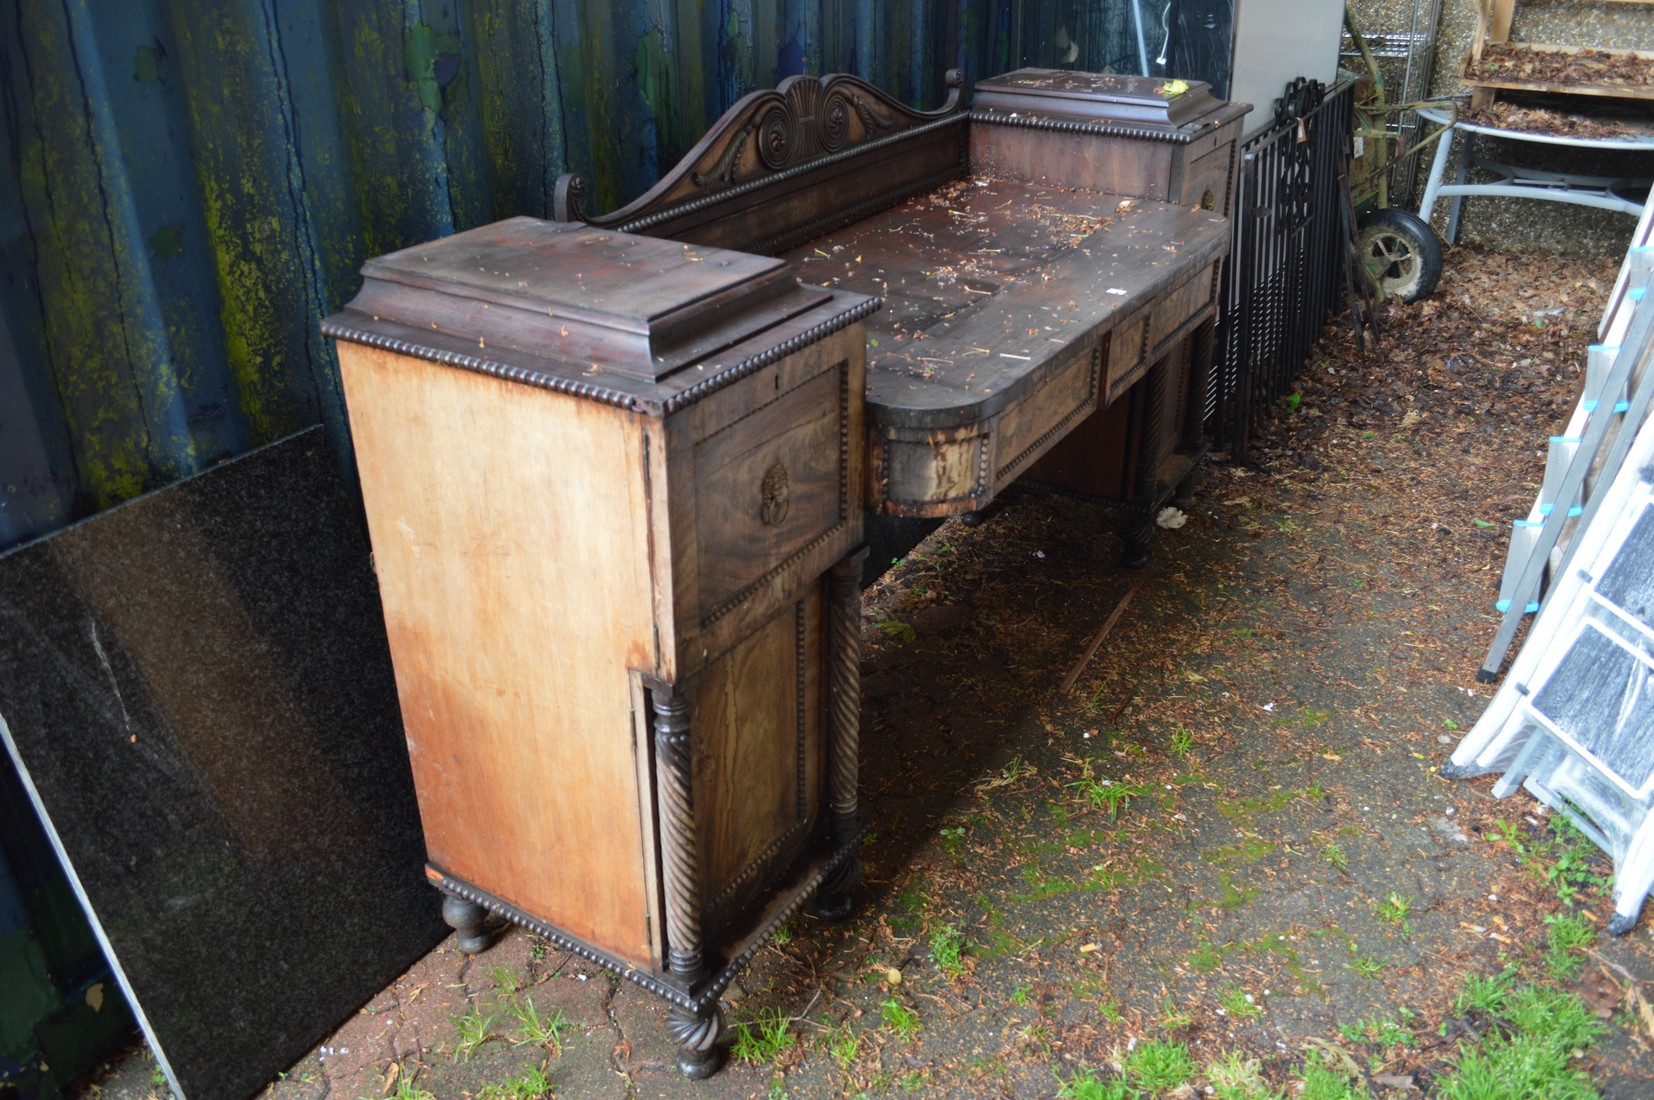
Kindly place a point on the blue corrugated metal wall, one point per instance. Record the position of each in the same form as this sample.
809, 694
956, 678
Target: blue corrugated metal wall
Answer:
188, 186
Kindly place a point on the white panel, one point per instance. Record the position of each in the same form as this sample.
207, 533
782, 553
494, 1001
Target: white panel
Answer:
1277, 41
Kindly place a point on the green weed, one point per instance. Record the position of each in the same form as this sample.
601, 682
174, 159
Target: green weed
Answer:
1484, 996
1040, 1036
764, 1038
1183, 740
1566, 935
1537, 1033
953, 839
1560, 854
1365, 965
1323, 1083
473, 1032
547, 1032
407, 1090
1237, 1077
1105, 794
530, 1085
1382, 1030
947, 945
843, 1044
1157, 1064
1521, 1067
1173, 1018
1086, 1085
899, 1018
1394, 910
1238, 1003
1334, 855
1558, 1015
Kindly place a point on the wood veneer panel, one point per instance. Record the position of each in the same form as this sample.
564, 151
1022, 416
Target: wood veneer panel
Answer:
797, 434
509, 527
730, 570
756, 713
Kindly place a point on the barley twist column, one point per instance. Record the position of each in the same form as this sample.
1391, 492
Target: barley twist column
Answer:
697, 1032
679, 851
832, 901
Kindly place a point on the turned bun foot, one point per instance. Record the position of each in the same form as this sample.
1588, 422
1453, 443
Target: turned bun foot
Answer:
700, 1034
466, 918
698, 1066
835, 898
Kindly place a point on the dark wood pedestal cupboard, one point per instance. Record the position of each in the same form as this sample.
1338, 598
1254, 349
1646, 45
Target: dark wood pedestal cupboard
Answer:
616, 516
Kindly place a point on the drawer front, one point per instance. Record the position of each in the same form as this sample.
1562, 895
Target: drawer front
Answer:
769, 487
1029, 428
1206, 181
1178, 307
1126, 362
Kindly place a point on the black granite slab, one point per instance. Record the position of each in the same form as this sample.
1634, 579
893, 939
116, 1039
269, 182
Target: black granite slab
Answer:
197, 689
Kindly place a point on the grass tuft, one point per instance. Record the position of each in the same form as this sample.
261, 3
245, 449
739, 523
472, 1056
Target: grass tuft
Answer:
764, 1038
899, 1018
1087, 1085
1159, 1064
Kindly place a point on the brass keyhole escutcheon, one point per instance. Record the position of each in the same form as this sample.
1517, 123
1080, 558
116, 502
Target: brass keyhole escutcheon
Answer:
775, 498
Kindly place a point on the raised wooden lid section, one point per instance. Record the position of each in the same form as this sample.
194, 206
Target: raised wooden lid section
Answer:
1097, 97
636, 306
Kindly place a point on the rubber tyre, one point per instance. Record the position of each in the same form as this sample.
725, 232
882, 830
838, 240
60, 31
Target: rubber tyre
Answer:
1400, 253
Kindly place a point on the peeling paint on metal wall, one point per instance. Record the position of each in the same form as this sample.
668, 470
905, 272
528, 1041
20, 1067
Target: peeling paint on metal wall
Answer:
188, 186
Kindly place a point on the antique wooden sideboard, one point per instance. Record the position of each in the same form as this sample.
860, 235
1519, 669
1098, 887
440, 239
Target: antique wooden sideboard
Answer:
615, 471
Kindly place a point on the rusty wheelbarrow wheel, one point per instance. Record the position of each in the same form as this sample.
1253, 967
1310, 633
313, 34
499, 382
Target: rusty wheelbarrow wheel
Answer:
1400, 252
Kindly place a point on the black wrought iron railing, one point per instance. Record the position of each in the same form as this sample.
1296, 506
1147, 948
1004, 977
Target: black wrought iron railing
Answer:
1287, 263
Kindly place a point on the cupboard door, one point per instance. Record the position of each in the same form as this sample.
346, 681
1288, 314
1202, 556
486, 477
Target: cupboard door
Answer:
755, 722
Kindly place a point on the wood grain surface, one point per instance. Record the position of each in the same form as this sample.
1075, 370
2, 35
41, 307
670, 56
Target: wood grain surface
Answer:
509, 535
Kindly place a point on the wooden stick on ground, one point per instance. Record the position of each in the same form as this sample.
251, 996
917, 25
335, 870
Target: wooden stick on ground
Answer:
1067, 684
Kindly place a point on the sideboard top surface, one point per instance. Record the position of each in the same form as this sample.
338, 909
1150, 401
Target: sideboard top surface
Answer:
638, 307
1102, 97
988, 282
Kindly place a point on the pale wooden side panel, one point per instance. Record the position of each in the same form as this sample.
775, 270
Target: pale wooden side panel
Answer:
509, 534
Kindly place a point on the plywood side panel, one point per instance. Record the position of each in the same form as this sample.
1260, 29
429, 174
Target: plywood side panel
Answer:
509, 533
